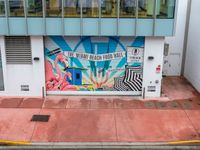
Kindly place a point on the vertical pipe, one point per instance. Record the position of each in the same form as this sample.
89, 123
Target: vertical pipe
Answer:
99, 19
44, 16
118, 9
136, 16
63, 24
43, 94
176, 13
25, 15
81, 18
143, 93
155, 16
6, 5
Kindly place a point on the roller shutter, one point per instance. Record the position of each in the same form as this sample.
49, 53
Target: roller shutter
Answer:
18, 50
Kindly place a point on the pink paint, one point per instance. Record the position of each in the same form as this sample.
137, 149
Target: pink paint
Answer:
58, 81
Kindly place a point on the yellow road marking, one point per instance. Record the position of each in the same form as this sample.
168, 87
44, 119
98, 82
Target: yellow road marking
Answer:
6, 142
185, 142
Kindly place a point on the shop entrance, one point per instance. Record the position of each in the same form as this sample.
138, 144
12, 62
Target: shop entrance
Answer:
94, 65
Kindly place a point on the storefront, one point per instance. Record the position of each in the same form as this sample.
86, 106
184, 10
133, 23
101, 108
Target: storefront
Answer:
83, 47
74, 65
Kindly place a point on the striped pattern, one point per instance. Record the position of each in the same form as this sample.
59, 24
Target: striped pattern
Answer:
119, 84
18, 50
135, 68
133, 79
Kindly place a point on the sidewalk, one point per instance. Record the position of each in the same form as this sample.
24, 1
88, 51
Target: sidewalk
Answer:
104, 119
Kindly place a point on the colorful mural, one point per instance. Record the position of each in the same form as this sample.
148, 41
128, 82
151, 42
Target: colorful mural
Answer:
94, 63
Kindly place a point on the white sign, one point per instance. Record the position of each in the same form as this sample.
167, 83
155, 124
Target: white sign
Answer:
95, 57
135, 54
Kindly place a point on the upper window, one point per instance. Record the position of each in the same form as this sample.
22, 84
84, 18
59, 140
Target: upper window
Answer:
34, 8
71, 8
53, 8
16, 8
109, 8
90, 8
2, 8
146, 8
127, 8
165, 9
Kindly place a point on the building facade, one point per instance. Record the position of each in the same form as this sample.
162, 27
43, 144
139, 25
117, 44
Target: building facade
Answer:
93, 47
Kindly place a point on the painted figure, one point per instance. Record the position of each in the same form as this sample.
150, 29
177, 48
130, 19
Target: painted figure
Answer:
58, 81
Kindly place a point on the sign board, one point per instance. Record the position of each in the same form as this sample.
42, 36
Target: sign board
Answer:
135, 55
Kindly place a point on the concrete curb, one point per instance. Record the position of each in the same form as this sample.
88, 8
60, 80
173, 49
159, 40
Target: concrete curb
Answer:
101, 145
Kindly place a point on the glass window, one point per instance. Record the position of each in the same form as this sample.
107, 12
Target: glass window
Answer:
146, 8
166, 9
127, 8
2, 8
90, 8
34, 8
16, 8
71, 8
109, 8
53, 8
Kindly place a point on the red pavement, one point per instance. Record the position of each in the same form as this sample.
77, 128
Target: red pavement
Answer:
105, 119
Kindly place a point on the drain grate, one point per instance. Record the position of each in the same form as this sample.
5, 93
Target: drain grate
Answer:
40, 118
174, 105
187, 105
161, 105
149, 105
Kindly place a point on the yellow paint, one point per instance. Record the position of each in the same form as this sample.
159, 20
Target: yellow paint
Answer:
91, 87
184, 142
6, 142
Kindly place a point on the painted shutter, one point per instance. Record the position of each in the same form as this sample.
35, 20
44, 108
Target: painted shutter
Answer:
18, 50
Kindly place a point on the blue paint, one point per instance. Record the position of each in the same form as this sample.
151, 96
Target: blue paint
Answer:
138, 42
76, 76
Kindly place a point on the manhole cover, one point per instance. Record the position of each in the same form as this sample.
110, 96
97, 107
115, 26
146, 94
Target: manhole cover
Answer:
149, 105
40, 118
161, 105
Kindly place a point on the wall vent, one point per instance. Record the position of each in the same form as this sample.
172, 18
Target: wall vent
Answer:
18, 50
151, 88
24, 87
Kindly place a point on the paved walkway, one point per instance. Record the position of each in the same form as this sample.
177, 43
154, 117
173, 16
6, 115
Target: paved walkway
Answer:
105, 119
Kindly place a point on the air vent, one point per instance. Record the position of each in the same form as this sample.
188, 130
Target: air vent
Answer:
24, 87
151, 88
18, 50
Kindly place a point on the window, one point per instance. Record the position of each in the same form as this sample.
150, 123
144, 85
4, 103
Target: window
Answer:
108, 8
166, 9
16, 8
53, 8
127, 8
71, 8
34, 8
90, 8
146, 8
2, 8
78, 76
